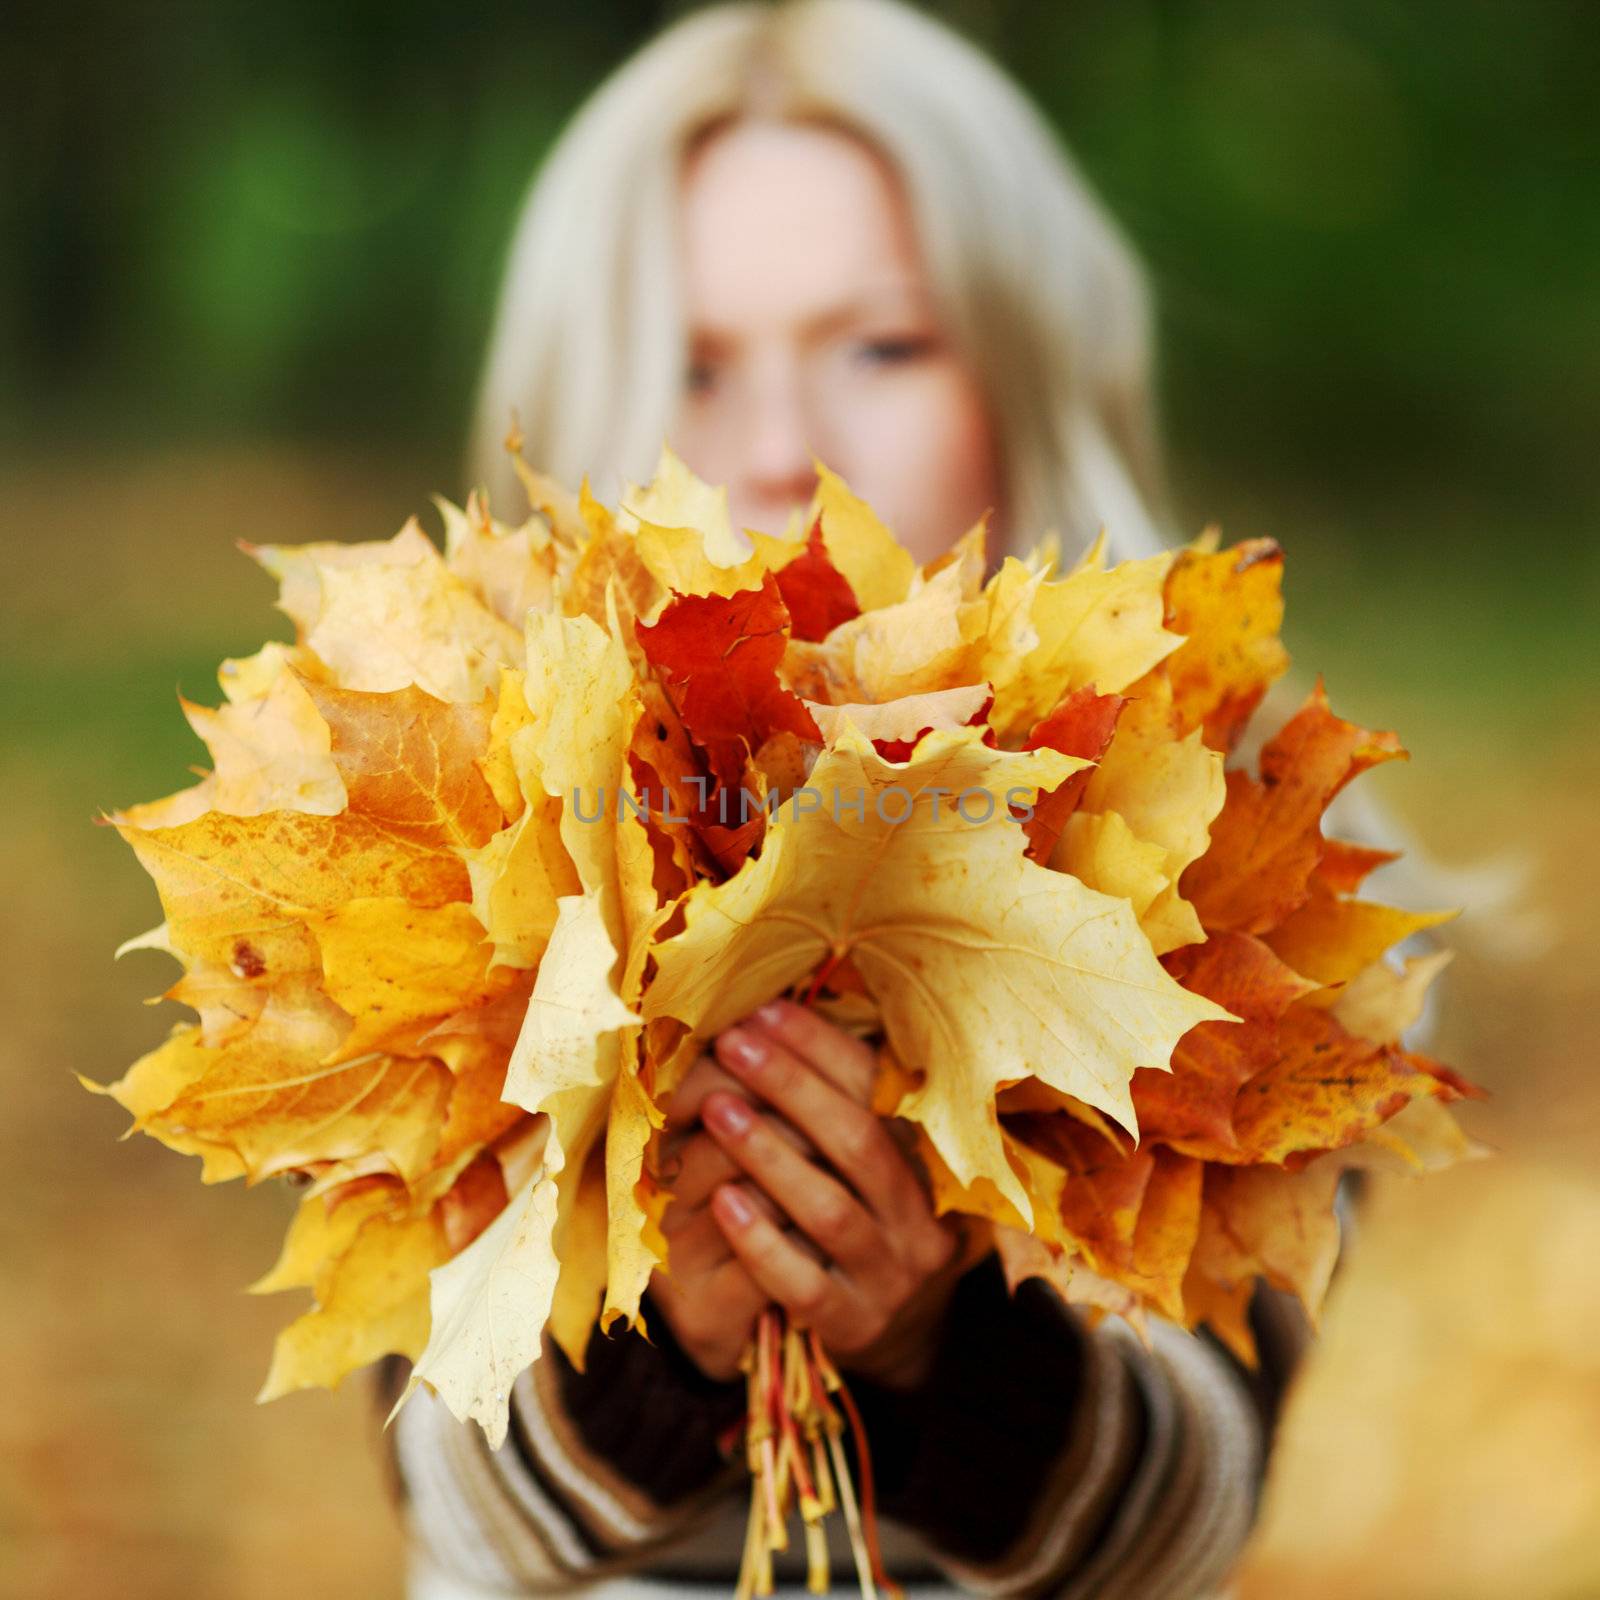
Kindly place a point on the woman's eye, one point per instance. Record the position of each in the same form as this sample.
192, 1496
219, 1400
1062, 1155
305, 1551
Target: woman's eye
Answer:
894, 350
700, 377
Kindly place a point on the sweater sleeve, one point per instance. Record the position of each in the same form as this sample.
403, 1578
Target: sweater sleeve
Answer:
1044, 1456
599, 1469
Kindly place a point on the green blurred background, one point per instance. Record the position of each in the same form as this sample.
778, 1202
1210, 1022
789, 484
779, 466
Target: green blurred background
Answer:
249, 259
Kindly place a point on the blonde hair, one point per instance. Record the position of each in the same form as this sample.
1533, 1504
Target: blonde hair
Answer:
1034, 282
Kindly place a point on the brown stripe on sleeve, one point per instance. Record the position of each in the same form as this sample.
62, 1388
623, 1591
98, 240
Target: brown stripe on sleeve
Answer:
545, 1512
1012, 1458
1189, 1508
577, 1457
1084, 1487
460, 1510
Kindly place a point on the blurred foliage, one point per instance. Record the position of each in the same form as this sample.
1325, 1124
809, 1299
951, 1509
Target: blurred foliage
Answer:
1372, 226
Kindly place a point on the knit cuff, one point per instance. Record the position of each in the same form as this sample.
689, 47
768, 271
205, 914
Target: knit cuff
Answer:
961, 1459
649, 1411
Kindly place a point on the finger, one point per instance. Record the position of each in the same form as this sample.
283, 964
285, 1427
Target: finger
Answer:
812, 1295
699, 1164
844, 1060
705, 1077
713, 1316
850, 1136
819, 1205
696, 1244
705, 1165
683, 1105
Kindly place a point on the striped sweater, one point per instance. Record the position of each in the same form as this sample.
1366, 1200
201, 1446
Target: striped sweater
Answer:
1041, 1457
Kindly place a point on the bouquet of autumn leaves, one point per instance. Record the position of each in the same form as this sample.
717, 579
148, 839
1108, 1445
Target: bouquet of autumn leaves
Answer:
508, 833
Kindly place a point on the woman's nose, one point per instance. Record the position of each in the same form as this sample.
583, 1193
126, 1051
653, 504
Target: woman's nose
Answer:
777, 469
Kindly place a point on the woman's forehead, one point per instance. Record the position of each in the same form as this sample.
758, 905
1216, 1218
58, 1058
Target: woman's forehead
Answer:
797, 222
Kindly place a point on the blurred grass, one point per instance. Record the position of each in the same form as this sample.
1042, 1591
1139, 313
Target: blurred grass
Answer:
1446, 1443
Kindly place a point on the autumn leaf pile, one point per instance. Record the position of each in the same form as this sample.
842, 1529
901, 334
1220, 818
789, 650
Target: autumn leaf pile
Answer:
489, 852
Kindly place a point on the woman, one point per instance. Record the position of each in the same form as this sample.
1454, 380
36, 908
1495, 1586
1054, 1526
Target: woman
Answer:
831, 229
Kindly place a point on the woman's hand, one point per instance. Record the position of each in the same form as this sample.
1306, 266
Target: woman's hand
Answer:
794, 1193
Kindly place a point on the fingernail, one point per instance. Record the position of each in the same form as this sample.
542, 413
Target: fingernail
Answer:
735, 1207
729, 1113
741, 1049
770, 1014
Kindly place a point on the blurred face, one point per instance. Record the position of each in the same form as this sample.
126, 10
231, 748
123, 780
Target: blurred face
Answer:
812, 333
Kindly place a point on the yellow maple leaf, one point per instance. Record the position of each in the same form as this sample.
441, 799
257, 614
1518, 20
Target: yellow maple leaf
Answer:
1100, 849
413, 762
1044, 638
1332, 937
371, 1301
397, 969
1422, 1136
676, 498
610, 572
563, 1068
561, 509
322, 1229
969, 555
477, 1115
268, 1101
269, 754
902, 718
247, 678
1380, 1003
1272, 1223
1024, 1255
153, 1082
632, 1248
498, 762
580, 691
299, 567
518, 879
513, 570
1155, 796
678, 560
878, 568
569, 1039
240, 892
488, 1306
918, 646
578, 1241
383, 617
274, 1097
987, 968
1228, 606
